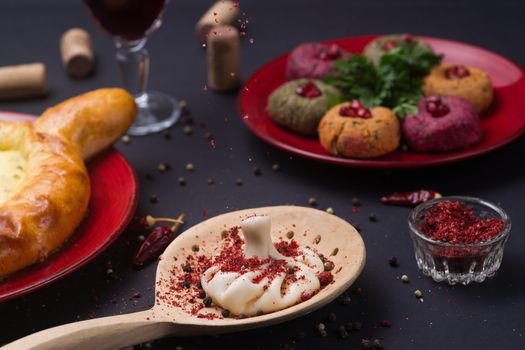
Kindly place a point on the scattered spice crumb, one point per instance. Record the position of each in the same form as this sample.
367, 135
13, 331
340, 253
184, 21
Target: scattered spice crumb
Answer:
393, 262
378, 344
330, 210
163, 167
328, 266
356, 202
366, 344
385, 323
181, 180
167, 135
289, 234
276, 167
195, 248
418, 293
372, 217
238, 181
312, 201
404, 279
257, 171
141, 238
183, 104
188, 130
149, 176
211, 182
225, 313
126, 139
153, 199
190, 167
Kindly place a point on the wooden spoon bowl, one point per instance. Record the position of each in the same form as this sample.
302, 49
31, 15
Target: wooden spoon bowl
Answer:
326, 233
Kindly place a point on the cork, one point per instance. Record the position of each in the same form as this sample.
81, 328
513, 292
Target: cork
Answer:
77, 53
223, 58
24, 80
223, 12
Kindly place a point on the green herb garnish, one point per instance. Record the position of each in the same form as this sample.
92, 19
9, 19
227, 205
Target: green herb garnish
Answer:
395, 82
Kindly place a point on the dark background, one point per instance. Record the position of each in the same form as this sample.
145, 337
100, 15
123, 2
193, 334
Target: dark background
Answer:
486, 316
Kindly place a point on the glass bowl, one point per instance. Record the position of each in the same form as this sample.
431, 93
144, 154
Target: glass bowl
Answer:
459, 263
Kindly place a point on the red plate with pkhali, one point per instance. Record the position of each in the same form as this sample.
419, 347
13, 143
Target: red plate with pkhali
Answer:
503, 122
113, 201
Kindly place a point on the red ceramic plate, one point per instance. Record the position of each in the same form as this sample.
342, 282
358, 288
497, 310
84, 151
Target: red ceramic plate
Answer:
502, 123
113, 201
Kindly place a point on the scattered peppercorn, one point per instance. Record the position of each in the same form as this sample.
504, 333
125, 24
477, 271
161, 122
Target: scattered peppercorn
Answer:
356, 202
153, 199
345, 300
195, 248
276, 167
238, 181
211, 182
141, 238
126, 139
290, 271
225, 234
330, 210
312, 201
321, 328
343, 334
202, 294
332, 317
183, 104
257, 171
328, 266
418, 293
190, 167
149, 176
385, 323
181, 180
207, 301
185, 284
366, 344
378, 344
109, 271
167, 135
225, 313
404, 279
187, 268
393, 262
188, 130
163, 167
289, 234
372, 217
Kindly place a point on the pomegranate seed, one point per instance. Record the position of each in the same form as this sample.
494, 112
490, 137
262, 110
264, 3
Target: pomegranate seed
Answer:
390, 45
431, 107
442, 110
347, 111
308, 90
356, 104
434, 98
457, 72
334, 52
324, 56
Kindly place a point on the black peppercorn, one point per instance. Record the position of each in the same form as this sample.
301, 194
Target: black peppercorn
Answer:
393, 262
185, 284
257, 171
372, 217
332, 317
356, 202
207, 302
225, 313
153, 199
366, 344
378, 344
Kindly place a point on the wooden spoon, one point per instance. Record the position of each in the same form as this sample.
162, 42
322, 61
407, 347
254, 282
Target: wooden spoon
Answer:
328, 234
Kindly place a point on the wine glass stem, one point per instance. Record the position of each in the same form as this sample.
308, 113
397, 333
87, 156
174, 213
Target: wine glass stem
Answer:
133, 62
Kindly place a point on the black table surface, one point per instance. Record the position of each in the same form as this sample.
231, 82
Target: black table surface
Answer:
479, 316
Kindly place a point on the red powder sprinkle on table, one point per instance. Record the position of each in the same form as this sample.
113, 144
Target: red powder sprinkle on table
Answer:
451, 222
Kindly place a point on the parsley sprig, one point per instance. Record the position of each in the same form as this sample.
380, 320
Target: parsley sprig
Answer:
395, 82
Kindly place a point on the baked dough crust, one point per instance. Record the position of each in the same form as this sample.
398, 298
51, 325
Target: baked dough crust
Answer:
50, 203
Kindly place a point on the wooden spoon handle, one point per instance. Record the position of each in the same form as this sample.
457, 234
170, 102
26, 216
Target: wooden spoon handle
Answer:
106, 333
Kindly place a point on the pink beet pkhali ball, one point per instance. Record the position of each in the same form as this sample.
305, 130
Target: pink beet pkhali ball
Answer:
313, 60
442, 124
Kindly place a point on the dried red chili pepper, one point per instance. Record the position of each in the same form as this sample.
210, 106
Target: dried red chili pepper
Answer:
156, 243
410, 198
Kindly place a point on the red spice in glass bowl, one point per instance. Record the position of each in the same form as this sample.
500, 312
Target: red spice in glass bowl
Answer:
459, 239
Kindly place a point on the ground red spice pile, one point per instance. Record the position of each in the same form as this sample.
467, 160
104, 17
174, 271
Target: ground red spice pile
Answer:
451, 222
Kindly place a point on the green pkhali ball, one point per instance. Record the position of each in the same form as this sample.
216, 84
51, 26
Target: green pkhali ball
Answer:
379, 46
297, 113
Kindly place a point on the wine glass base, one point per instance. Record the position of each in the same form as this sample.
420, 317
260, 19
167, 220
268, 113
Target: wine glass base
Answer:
156, 112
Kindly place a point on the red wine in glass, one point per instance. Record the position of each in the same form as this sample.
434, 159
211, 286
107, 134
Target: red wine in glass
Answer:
130, 22
128, 19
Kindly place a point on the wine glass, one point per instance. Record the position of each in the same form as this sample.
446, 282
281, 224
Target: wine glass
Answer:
130, 22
